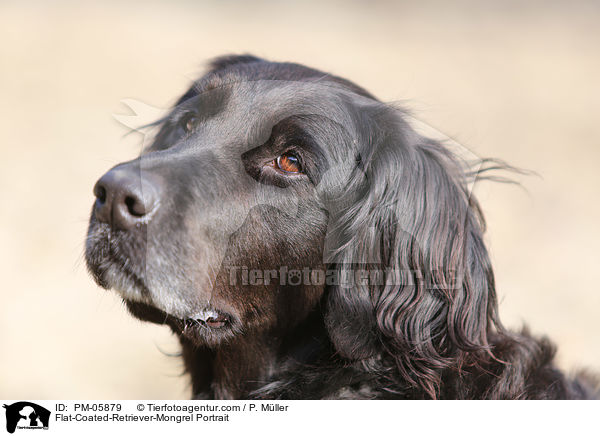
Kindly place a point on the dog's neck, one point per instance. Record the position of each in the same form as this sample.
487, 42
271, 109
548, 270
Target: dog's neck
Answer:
235, 369
230, 371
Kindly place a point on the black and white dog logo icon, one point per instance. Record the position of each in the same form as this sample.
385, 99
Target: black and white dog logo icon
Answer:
26, 415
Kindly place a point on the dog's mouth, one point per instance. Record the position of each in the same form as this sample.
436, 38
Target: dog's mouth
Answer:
214, 321
204, 320
208, 327
117, 262
139, 295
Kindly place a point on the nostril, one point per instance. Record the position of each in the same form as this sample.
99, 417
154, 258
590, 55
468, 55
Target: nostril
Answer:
135, 207
100, 193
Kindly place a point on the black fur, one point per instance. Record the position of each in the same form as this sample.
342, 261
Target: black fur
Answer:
373, 197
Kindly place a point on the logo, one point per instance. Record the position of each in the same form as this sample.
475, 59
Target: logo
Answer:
26, 415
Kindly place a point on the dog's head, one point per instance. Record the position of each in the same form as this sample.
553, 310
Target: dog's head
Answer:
271, 187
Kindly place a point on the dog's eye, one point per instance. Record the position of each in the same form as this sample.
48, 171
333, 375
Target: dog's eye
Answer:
189, 123
288, 163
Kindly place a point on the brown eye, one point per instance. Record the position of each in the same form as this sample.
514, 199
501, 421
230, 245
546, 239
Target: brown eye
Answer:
288, 163
189, 123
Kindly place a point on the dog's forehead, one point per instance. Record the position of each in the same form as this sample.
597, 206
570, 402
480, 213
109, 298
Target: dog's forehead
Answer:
246, 111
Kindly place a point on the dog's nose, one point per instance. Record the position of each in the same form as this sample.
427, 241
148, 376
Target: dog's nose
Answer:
124, 198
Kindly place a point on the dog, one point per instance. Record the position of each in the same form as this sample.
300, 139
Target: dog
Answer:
303, 241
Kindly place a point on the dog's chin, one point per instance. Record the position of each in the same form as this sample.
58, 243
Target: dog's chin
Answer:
204, 328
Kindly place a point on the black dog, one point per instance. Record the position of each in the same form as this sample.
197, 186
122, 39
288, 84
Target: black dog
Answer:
303, 241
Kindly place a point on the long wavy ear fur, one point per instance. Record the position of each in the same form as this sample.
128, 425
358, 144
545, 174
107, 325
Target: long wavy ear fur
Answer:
430, 301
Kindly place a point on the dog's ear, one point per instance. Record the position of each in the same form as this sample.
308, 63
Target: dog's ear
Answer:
414, 278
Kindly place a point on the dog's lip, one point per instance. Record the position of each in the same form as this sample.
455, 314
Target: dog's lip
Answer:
217, 323
203, 320
210, 318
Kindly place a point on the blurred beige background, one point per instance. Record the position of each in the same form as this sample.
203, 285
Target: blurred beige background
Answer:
518, 81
